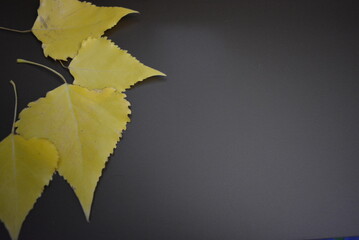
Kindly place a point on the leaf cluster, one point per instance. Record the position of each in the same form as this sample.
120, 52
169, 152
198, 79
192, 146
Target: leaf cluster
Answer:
75, 128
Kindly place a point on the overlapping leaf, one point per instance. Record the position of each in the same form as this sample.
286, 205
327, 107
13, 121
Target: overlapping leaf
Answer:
62, 25
26, 167
84, 125
100, 64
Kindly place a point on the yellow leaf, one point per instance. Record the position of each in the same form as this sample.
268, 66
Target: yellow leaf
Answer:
26, 167
61, 26
100, 64
84, 125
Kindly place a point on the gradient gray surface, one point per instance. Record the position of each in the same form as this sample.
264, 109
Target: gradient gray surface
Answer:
253, 135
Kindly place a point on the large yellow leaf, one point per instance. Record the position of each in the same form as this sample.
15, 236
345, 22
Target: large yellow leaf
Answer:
26, 167
84, 125
100, 64
62, 25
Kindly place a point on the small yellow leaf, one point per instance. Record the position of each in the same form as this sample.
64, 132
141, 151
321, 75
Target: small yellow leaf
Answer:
85, 126
61, 26
100, 64
26, 167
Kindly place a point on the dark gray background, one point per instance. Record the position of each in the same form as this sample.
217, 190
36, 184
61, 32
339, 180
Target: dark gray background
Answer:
253, 135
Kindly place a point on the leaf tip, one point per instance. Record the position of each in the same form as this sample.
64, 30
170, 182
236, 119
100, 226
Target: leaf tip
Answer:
87, 215
131, 11
162, 74
158, 73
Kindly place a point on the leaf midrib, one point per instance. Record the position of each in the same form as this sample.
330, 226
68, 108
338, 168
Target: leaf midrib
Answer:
14, 166
70, 105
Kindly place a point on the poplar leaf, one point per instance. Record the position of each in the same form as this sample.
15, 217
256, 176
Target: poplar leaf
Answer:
61, 26
100, 64
85, 126
26, 167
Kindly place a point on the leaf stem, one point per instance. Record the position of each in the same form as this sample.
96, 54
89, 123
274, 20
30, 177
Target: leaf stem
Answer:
63, 65
15, 108
15, 30
40, 65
